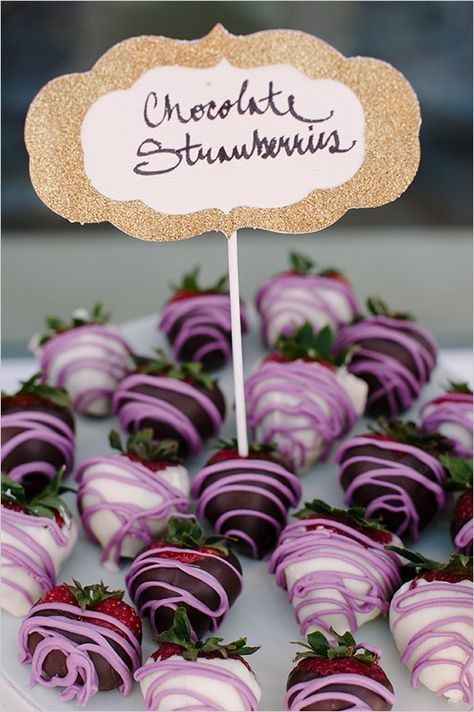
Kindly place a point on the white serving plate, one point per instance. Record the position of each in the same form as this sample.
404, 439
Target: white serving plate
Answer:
262, 612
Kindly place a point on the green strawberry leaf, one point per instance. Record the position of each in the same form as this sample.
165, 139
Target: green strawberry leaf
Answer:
460, 474
377, 307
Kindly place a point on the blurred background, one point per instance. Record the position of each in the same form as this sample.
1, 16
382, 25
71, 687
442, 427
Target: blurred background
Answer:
415, 252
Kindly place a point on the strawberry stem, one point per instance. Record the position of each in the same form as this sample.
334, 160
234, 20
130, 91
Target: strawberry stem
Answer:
377, 307
90, 596
190, 283
32, 387
162, 366
409, 433
145, 446
186, 532
180, 633
316, 645
356, 514
305, 343
460, 474
459, 387
81, 317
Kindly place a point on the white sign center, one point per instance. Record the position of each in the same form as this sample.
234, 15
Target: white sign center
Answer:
185, 139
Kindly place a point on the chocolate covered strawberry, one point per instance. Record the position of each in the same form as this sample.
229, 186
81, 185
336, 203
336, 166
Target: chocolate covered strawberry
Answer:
246, 498
452, 415
197, 321
38, 434
394, 471
185, 568
335, 568
84, 639
126, 500
460, 479
431, 622
394, 355
177, 401
303, 294
38, 534
185, 674
338, 676
302, 398
86, 357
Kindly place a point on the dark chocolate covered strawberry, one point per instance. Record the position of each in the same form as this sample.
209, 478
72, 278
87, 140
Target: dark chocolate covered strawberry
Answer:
197, 321
247, 498
304, 294
395, 473
451, 414
460, 479
177, 401
338, 676
38, 433
126, 500
85, 356
431, 622
302, 398
221, 676
84, 639
38, 534
394, 355
335, 568
185, 568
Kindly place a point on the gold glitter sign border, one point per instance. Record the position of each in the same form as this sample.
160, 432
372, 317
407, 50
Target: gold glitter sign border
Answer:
392, 115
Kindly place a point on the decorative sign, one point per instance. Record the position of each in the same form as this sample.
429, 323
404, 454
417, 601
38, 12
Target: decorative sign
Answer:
277, 130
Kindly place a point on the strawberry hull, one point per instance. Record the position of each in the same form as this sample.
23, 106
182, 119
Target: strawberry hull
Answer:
207, 586
37, 440
452, 416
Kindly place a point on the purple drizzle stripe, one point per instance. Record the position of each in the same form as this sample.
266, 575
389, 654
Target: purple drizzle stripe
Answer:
135, 521
305, 694
105, 352
451, 409
249, 478
283, 311
38, 426
396, 381
423, 651
463, 539
140, 407
284, 405
207, 316
396, 498
36, 561
81, 681
152, 561
366, 562
169, 669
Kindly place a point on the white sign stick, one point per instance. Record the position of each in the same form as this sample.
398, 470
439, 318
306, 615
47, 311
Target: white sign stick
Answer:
238, 365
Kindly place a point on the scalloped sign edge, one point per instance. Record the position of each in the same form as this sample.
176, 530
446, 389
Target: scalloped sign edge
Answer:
55, 119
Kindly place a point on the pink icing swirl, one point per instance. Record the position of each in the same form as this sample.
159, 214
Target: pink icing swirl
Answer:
135, 521
356, 559
104, 351
249, 479
304, 694
450, 409
395, 382
151, 561
426, 642
283, 311
54, 622
206, 316
165, 670
133, 408
284, 406
383, 473
36, 561
36, 425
